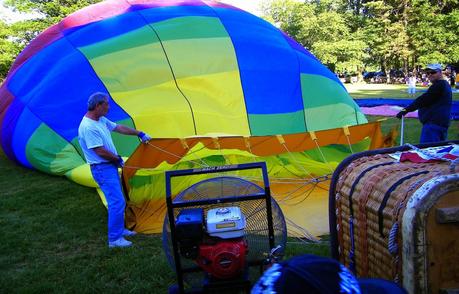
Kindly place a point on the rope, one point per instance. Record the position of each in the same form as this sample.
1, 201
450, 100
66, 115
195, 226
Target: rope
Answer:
217, 145
392, 246
394, 251
203, 163
352, 262
386, 198
349, 143
323, 156
348, 134
352, 250
309, 191
289, 196
314, 182
302, 231
282, 142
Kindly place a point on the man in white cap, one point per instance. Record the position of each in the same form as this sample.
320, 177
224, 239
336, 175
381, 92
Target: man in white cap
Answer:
100, 153
434, 106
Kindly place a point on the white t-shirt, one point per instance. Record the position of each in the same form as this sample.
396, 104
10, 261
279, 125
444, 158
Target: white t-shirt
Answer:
412, 82
92, 134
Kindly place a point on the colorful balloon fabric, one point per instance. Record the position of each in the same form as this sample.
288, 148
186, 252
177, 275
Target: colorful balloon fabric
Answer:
173, 69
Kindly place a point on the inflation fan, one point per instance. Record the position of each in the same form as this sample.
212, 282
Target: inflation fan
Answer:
221, 232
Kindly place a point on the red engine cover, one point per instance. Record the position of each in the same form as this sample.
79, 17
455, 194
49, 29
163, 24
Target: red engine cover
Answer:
223, 260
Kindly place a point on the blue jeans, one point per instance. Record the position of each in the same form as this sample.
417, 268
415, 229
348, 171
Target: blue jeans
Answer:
106, 175
433, 133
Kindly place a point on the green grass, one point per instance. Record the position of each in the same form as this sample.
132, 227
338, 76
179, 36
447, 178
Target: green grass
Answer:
362, 90
54, 241
54, 236
412, 126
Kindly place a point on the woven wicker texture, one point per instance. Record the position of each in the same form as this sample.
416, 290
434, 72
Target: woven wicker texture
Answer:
371, 194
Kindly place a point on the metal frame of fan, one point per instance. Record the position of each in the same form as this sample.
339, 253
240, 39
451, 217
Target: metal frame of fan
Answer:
266, 239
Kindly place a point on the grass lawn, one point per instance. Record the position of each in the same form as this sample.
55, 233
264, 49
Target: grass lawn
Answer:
412, 126
362, 90
54, 241
54, 235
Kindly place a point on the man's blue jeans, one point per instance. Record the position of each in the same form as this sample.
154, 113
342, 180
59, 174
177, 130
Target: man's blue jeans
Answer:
106, 175
433, 133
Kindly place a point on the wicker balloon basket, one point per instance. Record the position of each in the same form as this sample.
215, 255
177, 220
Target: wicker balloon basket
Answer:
397, 220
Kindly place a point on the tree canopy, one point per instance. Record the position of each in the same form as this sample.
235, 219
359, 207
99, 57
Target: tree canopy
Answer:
346, 35
15, 36
350, 35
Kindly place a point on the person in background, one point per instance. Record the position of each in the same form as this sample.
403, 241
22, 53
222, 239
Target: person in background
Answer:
434, 106
411, 85
100, 153
452, 78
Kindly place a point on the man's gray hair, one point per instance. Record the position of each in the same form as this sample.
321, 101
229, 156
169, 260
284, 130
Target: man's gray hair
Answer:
96, 99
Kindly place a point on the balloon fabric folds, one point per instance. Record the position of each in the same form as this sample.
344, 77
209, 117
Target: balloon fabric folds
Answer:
174, 69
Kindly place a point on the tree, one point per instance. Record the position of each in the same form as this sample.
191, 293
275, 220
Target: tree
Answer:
51, 10
434, 31
14, 37
386, 34
8, 49
321, 27
387, 39
288, 15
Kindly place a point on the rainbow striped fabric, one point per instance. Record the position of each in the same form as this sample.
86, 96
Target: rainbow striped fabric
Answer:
173, 69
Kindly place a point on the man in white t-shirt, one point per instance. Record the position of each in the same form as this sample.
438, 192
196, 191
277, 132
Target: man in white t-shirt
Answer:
100, 153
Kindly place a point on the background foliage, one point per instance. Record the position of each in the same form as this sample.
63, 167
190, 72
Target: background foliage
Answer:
15, 36
347, 35
357, 35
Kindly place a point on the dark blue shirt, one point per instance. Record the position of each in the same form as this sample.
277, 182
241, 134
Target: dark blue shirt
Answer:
434, 105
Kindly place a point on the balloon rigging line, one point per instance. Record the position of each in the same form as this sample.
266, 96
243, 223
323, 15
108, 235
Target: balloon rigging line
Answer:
304, 197
302, 231
287, 196
292, 195
323, 156
203, 163
349, 143
295, 161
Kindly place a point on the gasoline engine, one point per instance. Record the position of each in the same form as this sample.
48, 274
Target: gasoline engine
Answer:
215, 242
218, 232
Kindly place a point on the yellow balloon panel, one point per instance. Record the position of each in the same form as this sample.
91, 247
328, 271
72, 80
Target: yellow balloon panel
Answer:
82, 175
217, 102
304, 205
159, 110
194, 57
132, 67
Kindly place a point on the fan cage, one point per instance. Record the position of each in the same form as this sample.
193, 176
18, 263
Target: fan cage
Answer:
255, 211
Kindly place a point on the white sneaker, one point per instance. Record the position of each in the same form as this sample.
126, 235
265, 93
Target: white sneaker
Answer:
128, 233
121, 242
